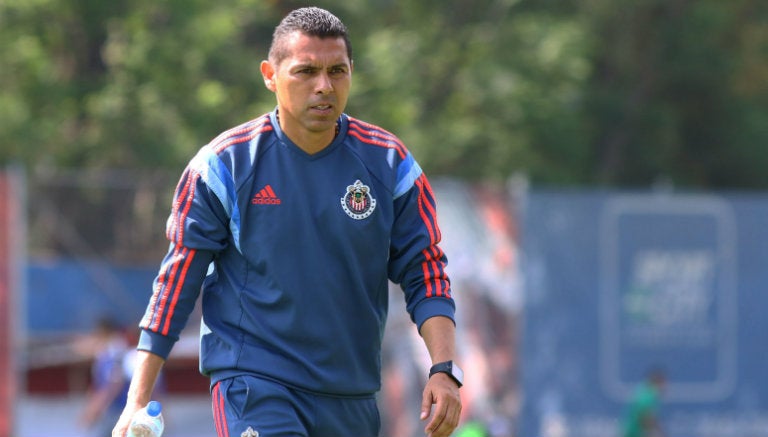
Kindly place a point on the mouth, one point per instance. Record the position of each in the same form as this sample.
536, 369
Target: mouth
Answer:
325, 107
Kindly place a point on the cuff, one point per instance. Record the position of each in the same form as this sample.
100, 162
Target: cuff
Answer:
432, 307
158, 344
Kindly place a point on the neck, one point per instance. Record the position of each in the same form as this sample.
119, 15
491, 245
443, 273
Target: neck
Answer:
308, 141
311, 142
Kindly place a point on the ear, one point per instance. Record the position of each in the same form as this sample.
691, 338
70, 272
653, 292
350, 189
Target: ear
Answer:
268, 73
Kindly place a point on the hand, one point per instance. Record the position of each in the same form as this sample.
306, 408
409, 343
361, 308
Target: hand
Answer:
145, 373
443, 392
121, 428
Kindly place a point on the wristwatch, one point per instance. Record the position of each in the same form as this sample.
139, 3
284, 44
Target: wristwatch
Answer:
449, 368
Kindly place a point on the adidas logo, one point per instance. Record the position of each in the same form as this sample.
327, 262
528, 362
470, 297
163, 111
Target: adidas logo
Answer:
266, 197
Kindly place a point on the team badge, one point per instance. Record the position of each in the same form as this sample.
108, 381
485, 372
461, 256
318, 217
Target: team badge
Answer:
250, 433
357, 202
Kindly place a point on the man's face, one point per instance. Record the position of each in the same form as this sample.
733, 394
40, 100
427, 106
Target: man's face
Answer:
312, 86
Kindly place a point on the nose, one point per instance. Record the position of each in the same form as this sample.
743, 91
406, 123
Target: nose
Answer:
324, 84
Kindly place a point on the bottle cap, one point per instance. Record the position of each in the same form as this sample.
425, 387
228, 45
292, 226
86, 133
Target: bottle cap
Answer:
154, 408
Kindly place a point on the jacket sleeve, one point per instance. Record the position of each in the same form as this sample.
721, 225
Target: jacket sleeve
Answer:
417, 262
197, 229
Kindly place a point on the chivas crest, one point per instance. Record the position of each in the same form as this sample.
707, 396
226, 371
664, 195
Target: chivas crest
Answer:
357, 202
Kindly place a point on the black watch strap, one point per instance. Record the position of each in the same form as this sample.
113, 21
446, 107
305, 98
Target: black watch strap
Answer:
450, 369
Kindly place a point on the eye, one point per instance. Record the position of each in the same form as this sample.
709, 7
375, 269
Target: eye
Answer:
306, 71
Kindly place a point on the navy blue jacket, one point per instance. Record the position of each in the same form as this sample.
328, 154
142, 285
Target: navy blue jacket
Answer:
293, 254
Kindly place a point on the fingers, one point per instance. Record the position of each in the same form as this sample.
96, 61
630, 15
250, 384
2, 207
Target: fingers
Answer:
121, 428
443, 393
426, 404
437, 425
444, 421
118, 432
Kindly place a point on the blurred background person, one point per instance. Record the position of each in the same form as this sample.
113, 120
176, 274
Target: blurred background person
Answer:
642, 416
110, 377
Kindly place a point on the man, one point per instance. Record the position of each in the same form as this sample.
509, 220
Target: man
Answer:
109, 377
292, 224
641, 419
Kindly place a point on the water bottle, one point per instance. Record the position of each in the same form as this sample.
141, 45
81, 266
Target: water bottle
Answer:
148, 421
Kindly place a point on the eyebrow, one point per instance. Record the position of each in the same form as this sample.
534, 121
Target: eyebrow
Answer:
303, 65
312, 64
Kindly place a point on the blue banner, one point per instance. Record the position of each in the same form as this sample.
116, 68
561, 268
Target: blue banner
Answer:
617, 284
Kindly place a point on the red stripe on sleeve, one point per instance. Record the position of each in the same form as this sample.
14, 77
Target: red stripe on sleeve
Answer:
427, 220
433, 272
181, 194
177, 291
375, 136
253, 124
253, 135
430, 195
438, 272
427, 282
167, 287
149, 318
435, 279
190, 200
442, 277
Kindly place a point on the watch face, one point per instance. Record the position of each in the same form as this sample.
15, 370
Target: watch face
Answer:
449, 368
458, 373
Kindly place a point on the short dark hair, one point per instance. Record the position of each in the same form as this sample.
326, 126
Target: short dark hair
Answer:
310, 21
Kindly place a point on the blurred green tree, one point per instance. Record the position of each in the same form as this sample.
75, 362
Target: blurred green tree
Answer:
677, 93
127, 84
591, 92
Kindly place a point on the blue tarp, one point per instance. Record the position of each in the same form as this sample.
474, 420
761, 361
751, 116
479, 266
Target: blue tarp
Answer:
71, 296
